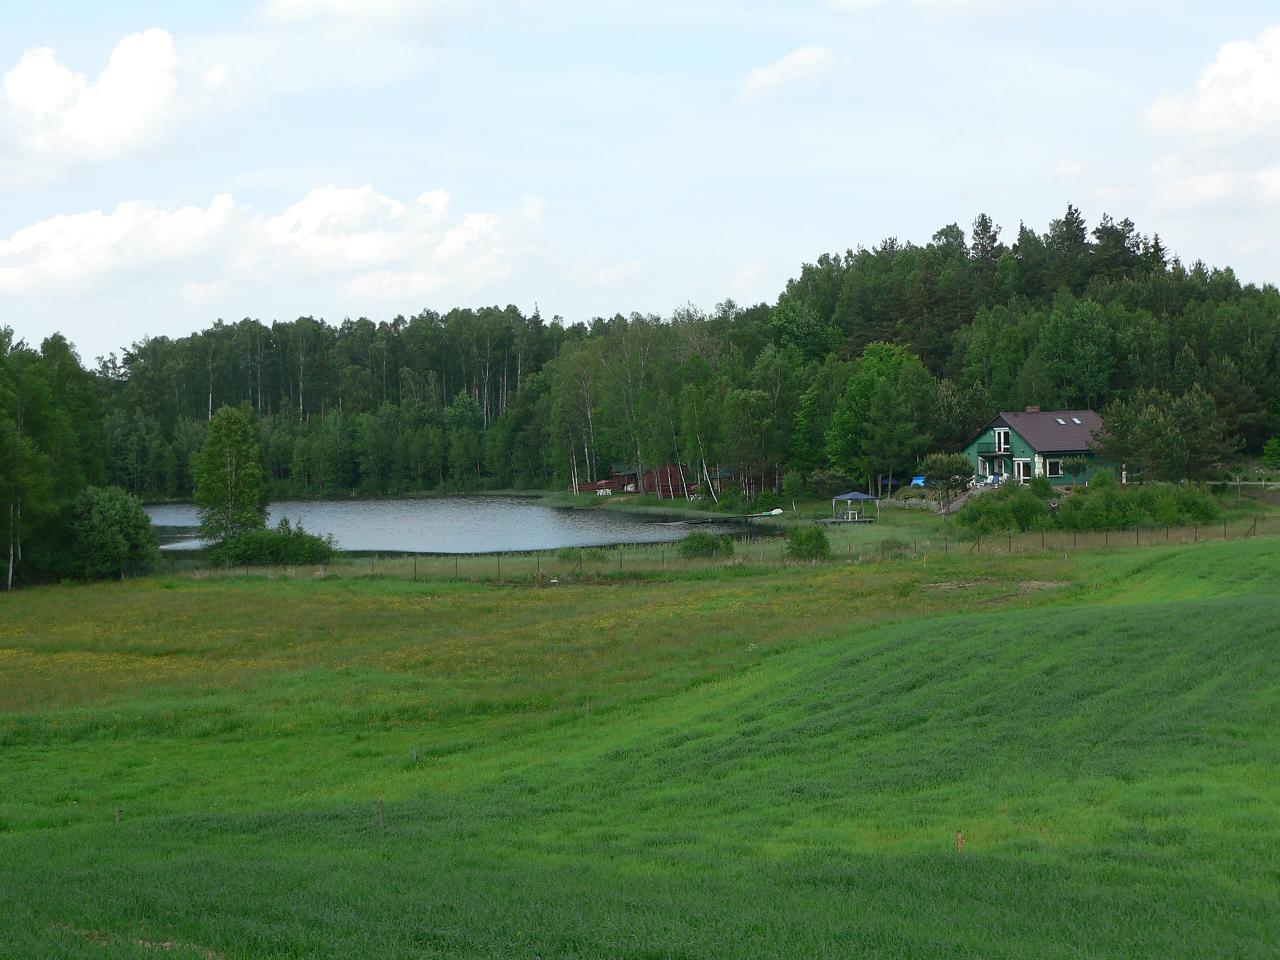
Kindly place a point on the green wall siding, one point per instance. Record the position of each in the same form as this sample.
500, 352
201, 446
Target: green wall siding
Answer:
1021, 450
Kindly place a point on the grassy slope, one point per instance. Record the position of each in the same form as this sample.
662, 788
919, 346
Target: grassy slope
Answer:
754, 765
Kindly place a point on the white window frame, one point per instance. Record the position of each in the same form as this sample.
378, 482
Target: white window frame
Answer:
983, 469
1023, 470
1002, 439
1048, 468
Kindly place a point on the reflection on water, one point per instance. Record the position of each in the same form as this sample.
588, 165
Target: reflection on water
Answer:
443, 524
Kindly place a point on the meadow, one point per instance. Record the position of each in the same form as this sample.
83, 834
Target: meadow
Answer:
717, 760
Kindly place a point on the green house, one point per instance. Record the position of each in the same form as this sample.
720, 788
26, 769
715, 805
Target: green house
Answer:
1034, 443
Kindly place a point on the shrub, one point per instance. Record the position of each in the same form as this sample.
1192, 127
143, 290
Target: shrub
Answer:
793, 485
111, 535
731, 502
767, 500
1041, 487
702, 545
280, 544
893, 547
1011, 508
808, 543
1271, 454
947, 474
1108, 506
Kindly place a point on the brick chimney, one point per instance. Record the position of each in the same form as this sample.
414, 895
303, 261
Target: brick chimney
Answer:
1032, 408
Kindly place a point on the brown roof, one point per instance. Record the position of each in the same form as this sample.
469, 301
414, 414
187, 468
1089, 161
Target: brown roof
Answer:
1047, 435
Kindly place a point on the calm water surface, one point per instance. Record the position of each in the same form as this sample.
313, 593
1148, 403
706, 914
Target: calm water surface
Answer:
443, 524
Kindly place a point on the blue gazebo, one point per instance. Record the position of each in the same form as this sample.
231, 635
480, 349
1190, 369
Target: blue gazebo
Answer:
849, 499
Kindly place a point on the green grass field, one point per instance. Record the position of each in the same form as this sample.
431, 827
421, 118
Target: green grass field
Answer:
726, 761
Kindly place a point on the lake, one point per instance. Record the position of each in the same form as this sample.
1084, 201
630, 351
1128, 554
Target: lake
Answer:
445, 524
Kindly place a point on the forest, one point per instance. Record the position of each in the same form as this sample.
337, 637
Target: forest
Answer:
867, 361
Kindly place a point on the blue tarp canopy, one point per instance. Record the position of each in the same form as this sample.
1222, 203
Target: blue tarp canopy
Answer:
854, 496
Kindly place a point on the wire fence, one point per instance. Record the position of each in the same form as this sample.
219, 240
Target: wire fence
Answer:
751, 550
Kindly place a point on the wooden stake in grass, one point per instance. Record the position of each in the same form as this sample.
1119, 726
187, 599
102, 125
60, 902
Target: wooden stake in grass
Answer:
117, 814
959, 842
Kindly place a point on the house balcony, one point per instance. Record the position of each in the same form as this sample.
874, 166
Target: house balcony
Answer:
990, 450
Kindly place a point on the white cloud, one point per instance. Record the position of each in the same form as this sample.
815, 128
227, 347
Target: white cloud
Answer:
1236, 96
73, 252
57, 113
932, 5
596, 275
1068, 168
802, 65
365, 15
353, 243
1226, 128
1268, 184
1180, 187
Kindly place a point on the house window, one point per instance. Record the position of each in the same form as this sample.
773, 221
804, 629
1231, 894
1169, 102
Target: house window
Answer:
1053, 468
1002, 441
982, 466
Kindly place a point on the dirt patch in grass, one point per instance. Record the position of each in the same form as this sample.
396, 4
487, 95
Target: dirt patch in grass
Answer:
1034, 586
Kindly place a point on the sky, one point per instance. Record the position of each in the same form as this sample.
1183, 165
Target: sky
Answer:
165, 165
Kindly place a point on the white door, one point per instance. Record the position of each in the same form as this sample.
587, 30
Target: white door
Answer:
1022, 470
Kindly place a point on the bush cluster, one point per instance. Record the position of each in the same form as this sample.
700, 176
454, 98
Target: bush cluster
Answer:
1012, 507
808, 543
767, 500
731, 502
283, 543
1103, 505
1271, 454
105, 534
702, 545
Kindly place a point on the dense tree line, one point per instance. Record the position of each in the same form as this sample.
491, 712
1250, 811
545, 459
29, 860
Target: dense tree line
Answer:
867, 361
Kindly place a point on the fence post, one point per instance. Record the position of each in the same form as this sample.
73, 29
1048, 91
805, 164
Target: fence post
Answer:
1106, 538
1224, 529
499, 566
1136, 542
415, 568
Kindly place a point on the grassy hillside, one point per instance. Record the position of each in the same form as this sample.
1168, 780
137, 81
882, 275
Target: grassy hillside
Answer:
744, 764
